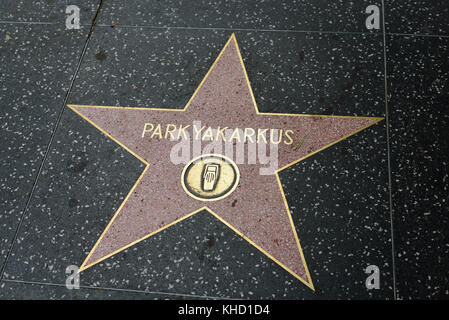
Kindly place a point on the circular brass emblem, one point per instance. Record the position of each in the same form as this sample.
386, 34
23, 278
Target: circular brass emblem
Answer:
210, 177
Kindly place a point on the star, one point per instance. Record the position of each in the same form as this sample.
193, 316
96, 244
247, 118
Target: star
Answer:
248, 197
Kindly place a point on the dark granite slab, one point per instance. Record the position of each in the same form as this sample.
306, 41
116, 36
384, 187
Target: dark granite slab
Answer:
417, 17
418, 80
46, 11
304, 15
12, 290
37, 66
296, 73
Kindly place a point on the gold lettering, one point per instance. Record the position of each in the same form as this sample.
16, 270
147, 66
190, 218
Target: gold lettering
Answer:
289, 137
170, 132
208, 133
198, 132
157, 131
261, 133
235, 135
249, 136
279, 136
145, 130
182, 129
221, 131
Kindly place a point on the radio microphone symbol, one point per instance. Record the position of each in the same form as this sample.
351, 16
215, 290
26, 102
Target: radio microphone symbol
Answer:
211, 174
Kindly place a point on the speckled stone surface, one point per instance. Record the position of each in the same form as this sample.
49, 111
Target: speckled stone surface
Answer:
31, 291
290, 73
339, 198
37, 64
338, 15
418, 77
256, 208
199, 255
46, 11
339, 203
417, 17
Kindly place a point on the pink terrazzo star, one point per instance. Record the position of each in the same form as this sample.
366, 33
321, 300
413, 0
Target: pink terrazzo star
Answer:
257, 209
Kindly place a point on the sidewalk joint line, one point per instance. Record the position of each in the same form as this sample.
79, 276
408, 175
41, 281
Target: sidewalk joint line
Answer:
118, 289
387, 124
47, 150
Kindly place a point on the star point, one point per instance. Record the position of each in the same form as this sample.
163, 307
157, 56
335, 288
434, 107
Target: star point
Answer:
256, 208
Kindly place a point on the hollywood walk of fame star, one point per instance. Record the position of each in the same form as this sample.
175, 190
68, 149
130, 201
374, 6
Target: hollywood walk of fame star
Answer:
256, 207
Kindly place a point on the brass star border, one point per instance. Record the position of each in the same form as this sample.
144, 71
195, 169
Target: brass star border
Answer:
309, 282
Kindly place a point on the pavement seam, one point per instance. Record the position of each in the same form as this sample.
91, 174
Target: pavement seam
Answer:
274, 30
117, 289
387, 124
417, 35
400, 34
28, 22
58, 120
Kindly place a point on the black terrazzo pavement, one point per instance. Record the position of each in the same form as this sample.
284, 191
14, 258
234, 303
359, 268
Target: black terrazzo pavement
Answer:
13, 290
37, 66
136, 64
45, 11
155, 55
419, 91
417, 17
300, 15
